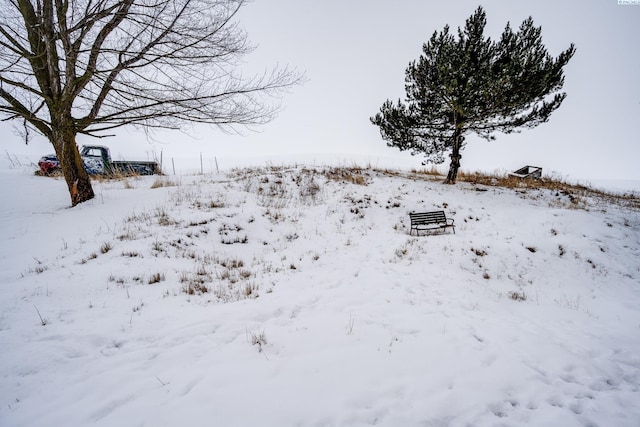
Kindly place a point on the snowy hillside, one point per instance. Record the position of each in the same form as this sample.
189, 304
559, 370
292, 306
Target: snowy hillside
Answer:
289, 296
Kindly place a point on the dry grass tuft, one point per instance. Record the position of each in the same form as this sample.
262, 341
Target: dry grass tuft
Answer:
118, 175
352, 175
517, 295
161, 182
576, 193
156, 278
106, 247
432, 171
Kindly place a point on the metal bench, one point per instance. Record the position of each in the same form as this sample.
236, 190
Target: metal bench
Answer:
430, 221
534, 172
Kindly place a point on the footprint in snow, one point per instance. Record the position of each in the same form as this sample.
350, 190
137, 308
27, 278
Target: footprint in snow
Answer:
555, 401
502, 409
576, 407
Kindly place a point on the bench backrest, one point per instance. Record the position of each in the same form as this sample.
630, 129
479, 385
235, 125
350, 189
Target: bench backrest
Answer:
428, 217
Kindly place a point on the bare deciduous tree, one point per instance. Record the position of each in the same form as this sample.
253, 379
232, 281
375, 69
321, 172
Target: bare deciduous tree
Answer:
70, 67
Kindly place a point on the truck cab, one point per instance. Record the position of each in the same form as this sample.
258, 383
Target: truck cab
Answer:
97, 159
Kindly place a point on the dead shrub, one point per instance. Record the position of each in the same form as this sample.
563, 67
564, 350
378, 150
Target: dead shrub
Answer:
517, 295
479, 252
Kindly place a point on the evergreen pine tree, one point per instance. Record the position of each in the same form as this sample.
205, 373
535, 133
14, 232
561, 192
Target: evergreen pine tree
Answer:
471, 84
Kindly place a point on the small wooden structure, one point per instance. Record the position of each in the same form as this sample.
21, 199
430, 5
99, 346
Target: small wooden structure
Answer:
430, 221
534, 172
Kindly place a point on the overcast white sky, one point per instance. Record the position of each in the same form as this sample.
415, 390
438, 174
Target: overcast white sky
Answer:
354, 54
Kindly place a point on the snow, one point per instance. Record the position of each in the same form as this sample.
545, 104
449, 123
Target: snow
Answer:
320, 309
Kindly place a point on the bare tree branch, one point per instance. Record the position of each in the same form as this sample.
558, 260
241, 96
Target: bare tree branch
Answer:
144, 62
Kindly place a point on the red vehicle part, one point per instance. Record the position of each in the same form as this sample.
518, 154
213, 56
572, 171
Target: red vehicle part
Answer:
49, 164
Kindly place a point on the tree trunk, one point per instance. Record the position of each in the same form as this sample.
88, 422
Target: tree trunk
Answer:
455, 157
77, 178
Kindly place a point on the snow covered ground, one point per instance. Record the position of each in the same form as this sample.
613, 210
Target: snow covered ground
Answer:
296, 297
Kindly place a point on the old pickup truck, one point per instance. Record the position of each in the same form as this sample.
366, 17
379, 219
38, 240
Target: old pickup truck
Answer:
97, 161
